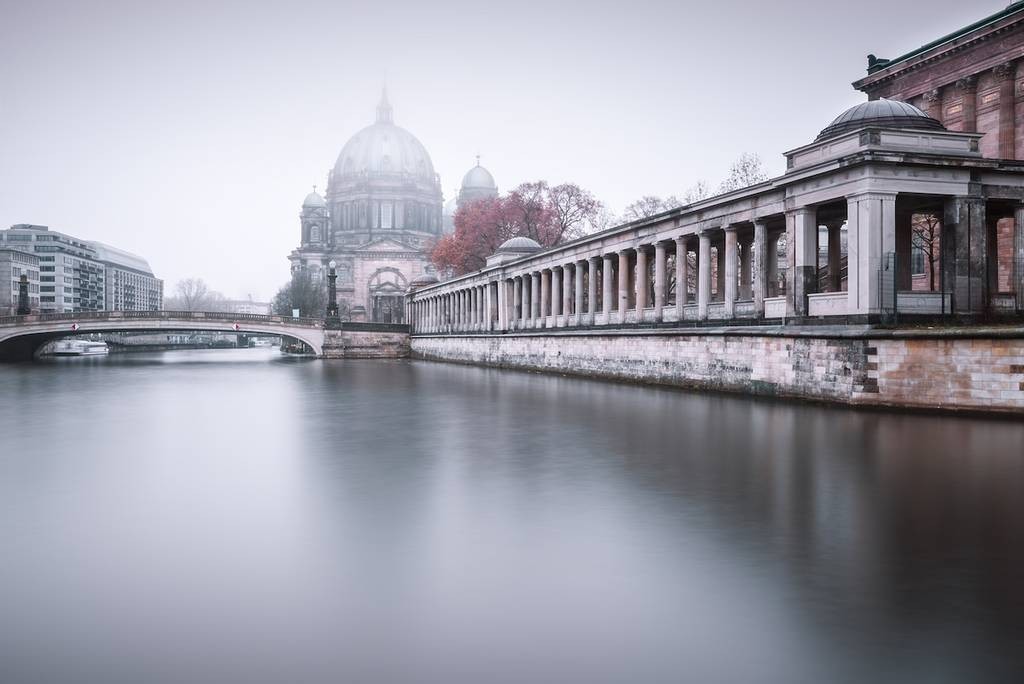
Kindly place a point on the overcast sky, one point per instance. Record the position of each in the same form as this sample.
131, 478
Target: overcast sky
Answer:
189, 132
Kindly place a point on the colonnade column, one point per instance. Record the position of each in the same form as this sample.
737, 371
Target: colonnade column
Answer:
642, 285
623, 284
835, 256
555, 294
578, 272
745, 283
544, 301
759, 266
703, 274
730, 270
566, 294
606, 288
681, 276
659, 280
592, 271
537, 298
803, 258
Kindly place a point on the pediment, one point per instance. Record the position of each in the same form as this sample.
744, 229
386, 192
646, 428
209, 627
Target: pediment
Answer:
384, 245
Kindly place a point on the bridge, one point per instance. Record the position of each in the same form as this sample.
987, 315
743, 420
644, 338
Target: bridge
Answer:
22, 336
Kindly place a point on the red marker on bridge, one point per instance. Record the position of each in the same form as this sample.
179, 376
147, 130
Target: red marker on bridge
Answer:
237, 327
74, 326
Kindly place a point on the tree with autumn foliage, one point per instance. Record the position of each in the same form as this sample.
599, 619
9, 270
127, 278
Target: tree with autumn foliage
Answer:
549, 215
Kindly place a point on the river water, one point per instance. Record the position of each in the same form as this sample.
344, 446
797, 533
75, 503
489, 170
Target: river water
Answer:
227, 516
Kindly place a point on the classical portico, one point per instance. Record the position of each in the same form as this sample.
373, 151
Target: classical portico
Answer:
834, 238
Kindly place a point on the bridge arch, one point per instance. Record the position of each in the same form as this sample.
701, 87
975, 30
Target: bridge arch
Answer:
22, 336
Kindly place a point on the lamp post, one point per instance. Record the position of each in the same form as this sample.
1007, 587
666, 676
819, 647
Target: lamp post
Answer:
333, 319
23, 306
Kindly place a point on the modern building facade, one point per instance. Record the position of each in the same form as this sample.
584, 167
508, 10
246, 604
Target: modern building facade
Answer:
81, 275
13, 265
382, 214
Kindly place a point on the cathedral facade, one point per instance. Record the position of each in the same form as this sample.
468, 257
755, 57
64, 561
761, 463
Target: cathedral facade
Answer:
382, 214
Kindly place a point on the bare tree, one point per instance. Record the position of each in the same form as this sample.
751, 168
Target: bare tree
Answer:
649, 205
696, 192
192, 294
747, 170
573, 211
924, 236
302, 292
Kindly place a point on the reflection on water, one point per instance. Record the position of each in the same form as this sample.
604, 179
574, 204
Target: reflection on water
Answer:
225, 516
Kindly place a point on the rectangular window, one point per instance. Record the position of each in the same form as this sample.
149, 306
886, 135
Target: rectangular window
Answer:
46, 269
46, 288
46, 279
917, 266
46, 299
386, 214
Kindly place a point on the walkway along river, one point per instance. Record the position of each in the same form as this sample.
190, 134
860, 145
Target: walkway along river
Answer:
221, 516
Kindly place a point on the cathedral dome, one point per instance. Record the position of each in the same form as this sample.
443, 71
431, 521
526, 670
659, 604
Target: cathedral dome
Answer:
478, 178
314, 200
384, 149
881, 112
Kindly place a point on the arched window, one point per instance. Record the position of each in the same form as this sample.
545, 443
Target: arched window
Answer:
314, 234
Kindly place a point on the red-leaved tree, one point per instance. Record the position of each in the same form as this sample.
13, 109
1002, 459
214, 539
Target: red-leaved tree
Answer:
549, 215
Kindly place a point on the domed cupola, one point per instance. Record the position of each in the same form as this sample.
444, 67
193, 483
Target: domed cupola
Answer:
314, 200
881, 113
384, 179
478, 183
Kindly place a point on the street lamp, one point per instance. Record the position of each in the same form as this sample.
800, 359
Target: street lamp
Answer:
333, 319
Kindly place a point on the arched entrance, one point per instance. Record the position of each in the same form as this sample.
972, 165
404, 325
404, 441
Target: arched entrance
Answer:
387, 289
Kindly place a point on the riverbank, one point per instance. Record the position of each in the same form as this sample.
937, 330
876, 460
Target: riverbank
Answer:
951, 369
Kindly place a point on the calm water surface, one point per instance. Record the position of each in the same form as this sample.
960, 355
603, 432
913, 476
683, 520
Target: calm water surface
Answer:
231, 517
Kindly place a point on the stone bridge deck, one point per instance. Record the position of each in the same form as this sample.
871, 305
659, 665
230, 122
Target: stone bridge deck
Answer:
22, 336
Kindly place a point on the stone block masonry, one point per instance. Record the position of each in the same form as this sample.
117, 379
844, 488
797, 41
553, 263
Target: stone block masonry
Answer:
864, 367
365, 344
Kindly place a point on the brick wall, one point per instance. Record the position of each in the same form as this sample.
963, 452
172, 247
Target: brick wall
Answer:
933, 373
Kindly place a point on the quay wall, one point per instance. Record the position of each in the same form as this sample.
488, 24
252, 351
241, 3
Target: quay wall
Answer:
953, 371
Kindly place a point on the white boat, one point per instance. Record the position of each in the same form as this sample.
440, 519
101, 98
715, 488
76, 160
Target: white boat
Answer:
79, 348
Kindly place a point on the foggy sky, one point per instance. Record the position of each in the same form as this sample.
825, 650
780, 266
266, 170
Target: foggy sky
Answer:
189, 132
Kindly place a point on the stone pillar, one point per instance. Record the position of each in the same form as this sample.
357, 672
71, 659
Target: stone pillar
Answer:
719, 294
746, 290
566, 294
968, 89
606, 288
870, 235
704, 274
803, 258
517, 302
642, 282
556, 295
535, 299
623, 284
731, 262
682, 264
592, 271
545, 298
578, 271
965, 254
502, 295
835, 256
1018, 255
1006, 75
659, 280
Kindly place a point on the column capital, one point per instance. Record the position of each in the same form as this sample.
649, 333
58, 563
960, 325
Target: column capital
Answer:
803, 211
760, 220
1005, 71
871, 194
968, 84
730, 227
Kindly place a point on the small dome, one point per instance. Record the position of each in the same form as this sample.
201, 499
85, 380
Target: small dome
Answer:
882, 112
478, 178
519, 244
314, 200
424, 280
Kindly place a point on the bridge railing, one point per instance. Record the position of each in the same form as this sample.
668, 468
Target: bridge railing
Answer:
198, 316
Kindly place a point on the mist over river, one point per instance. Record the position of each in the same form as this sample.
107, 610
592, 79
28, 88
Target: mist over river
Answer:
229, 516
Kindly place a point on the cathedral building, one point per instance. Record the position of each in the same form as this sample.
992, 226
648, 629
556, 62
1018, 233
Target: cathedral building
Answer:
382, 214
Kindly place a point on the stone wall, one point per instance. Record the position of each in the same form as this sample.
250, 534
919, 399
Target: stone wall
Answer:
942, 373
365, 344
